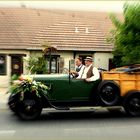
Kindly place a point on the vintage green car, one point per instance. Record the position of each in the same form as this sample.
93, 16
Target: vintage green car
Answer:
66, 92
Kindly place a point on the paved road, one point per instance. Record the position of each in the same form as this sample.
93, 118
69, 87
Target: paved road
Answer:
80, 125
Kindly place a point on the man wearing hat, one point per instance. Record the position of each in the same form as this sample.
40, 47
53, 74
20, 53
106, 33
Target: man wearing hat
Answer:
90, 73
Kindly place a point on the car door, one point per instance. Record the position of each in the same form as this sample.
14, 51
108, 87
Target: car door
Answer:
82, 90
72, 89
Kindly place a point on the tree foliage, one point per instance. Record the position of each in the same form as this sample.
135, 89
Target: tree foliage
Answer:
126, 36
48, 48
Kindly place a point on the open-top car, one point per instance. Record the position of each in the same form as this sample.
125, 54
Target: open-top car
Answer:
61, 91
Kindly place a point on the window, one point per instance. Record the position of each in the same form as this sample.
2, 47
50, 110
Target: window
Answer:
2, 65
52, 64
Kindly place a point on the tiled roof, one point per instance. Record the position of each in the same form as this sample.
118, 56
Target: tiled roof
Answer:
23, 28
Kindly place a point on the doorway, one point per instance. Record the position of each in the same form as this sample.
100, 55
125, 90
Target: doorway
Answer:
83, 58
16, 65
111, 64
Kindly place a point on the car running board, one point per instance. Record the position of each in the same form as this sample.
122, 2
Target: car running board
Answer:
61, 108
56, 107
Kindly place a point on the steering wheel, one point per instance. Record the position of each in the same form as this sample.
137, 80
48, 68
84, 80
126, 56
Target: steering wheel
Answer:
66, 71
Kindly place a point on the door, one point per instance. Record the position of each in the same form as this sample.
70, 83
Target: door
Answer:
111, 64
16, 65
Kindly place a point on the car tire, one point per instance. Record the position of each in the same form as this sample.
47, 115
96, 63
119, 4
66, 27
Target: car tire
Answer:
12, 102
131, 103
108, 93
29, 108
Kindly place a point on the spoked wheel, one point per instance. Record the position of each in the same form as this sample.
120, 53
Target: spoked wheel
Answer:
132, 104
109, 93
29, 109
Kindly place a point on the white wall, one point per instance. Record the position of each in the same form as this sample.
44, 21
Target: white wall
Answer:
67, 56
102, 60
25, 58
5, 79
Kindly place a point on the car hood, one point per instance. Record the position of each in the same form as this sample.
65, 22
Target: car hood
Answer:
49, 76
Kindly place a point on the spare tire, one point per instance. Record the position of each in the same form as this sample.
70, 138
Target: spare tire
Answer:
108, 93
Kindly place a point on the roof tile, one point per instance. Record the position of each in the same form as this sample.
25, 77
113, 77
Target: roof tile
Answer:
23, 28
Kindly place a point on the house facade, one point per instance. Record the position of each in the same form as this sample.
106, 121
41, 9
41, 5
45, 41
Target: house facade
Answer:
23, 31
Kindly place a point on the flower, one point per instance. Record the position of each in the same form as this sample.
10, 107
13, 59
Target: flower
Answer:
26, 84
25, 77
